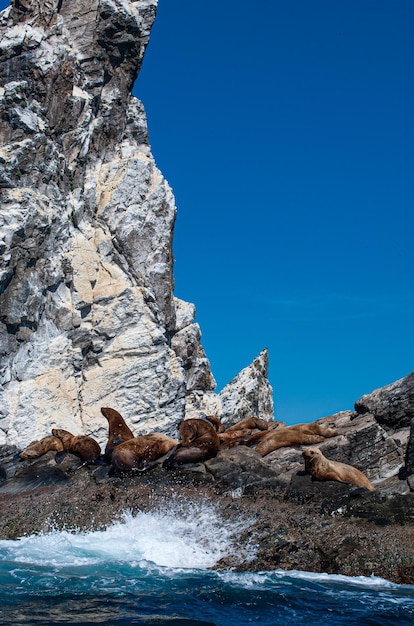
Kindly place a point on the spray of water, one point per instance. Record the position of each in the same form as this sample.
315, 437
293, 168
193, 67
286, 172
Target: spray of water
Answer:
188, 535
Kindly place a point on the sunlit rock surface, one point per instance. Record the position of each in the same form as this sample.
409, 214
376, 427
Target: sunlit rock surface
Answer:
88, 316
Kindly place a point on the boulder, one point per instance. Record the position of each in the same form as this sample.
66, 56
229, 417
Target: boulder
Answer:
409, 457
392, 405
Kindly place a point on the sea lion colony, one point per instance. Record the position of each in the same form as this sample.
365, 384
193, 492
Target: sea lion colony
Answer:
199, 439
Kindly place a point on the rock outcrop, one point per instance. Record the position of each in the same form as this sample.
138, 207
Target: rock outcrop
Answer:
383, 449
295, 522
392, 405
385, 456
88, 316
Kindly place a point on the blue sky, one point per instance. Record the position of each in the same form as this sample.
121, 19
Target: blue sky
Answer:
286, 132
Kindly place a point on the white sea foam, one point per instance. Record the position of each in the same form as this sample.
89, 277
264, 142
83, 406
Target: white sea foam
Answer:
365, 581
259, 580
187, 536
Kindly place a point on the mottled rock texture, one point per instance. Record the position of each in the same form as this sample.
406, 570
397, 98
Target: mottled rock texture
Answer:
88, 316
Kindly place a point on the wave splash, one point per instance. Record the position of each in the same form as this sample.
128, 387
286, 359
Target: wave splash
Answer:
188, 536
153, 568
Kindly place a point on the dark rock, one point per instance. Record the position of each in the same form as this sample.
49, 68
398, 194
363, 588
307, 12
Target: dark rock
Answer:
392, 405
303, 489
366, 445
382, 509
242, 468
409, 457
7, 452
323, 527
28, 475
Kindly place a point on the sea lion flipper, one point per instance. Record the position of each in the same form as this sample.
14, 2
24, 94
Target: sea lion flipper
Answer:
60, 456
101, 461
183, 455
170, 452
146, 465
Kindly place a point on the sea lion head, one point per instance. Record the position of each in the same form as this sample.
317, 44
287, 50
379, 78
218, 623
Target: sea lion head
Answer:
312, 456
118, 430
116, 422
213, 419
64, 435
311, 453
194, 431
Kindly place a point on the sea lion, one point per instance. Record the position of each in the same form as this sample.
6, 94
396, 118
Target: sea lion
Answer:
219, 427
199, 441
38, 448
299, 434
251, 422
317, 429
118, 430
240, 431
231, 438
322, 468
141, 453
82, 446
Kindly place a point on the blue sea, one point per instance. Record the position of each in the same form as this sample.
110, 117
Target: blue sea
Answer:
155, 569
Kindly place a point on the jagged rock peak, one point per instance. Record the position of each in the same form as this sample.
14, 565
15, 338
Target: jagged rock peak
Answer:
256, 397
88, 316
249, 393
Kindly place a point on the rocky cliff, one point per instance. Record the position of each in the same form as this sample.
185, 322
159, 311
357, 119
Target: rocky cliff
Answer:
88, 316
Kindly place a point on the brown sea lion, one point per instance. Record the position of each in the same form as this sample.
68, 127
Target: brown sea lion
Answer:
299, 434
219, 427
199, 441
322, 468
313, 428
283, 438
82, 446
35, 449
231, 438
240, 431
249, 422
141, 453
316, 429
118, 430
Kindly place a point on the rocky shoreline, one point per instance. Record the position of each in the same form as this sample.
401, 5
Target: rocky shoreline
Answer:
290, 521
329, 528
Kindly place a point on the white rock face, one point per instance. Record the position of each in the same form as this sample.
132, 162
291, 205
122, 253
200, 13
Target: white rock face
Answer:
249, 393
88, 316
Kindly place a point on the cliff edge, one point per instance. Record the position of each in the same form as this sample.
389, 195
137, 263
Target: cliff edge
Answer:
88, 316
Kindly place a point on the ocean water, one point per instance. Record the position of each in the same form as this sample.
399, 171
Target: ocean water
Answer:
154, 568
